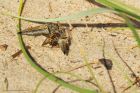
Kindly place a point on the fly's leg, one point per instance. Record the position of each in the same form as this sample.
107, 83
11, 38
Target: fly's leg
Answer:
51, 40
46, 41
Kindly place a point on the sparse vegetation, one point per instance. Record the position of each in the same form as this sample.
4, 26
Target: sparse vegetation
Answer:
128, 13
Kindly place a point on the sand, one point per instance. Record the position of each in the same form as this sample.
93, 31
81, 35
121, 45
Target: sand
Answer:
94, 43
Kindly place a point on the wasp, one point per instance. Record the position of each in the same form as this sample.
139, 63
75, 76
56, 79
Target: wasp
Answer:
55, 34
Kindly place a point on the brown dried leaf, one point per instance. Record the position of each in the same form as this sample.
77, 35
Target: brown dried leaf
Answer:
19, 52
3, 47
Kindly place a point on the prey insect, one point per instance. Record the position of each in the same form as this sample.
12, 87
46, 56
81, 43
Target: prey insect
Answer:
55, 34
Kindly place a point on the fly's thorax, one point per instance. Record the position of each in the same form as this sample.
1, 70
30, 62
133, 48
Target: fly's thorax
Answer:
64, 32
53, 28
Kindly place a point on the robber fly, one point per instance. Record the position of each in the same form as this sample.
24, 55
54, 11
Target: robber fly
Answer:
55, 34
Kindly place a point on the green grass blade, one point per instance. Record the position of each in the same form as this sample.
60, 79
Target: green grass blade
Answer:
91, 71
118, 6
38, 68
62, 72
39, 83
121, 70
74, 16
125, 11
131, 26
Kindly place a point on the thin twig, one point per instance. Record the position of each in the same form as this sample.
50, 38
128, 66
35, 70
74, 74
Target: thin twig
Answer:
108, 71
78, 67
123, 60
19, 52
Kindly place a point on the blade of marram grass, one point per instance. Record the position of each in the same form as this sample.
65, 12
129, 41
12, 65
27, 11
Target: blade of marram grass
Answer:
91, 71
132, 28
71, 74
124, 11
63, 72
118, 6
39, 83
38, 68
70, 17
120, 68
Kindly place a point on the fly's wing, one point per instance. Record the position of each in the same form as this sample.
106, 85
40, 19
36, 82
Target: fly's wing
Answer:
36, 31
64, 45
44, 32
